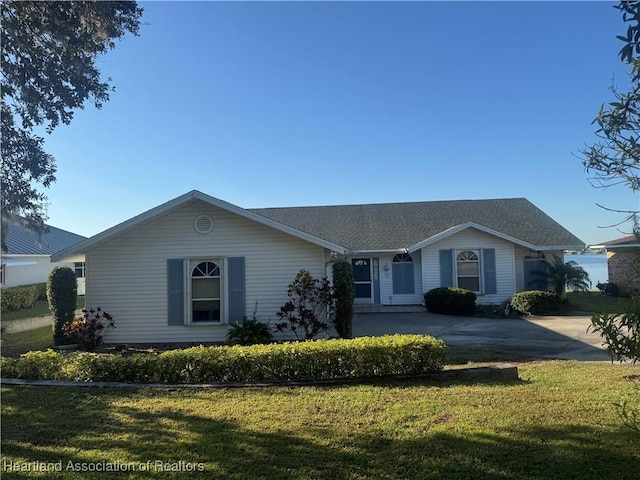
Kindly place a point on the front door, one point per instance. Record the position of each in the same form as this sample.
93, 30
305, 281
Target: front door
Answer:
362, 278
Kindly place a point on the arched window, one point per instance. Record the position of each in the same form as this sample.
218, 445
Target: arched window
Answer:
468, 270
402, 272
205, 292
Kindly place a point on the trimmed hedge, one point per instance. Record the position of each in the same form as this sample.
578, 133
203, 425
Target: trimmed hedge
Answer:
314, 360
450, 301
25, 296
535, 302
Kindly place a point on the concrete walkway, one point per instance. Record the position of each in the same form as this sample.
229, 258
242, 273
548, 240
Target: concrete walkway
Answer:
563, 337
24, 325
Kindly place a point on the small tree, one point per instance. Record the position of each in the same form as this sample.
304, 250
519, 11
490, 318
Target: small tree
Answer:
561, 275
87, 330
62, 292
311, 307
345, 292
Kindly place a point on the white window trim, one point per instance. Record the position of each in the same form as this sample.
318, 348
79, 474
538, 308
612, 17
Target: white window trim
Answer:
478, 252
82, 267
189, 266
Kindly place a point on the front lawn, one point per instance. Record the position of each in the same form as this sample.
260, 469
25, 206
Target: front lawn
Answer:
41, 307
23, 342
557, 422
595, 302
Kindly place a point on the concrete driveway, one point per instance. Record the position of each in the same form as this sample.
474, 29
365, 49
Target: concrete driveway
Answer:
549, 337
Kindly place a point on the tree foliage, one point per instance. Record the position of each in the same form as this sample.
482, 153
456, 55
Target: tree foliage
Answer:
62, 293
310, 308
561, 276
614, 159
345, 292
48, 56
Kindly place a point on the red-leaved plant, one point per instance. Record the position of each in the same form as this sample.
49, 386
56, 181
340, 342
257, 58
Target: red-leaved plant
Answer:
88, 329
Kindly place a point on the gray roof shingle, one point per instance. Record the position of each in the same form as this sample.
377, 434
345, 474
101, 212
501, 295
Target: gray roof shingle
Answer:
21, 240
391, 226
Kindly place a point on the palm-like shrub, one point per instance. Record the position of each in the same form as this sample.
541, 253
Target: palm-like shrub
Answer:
561, 276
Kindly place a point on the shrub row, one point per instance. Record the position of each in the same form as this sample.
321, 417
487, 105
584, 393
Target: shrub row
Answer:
535, 302
316, 360
17, 298
450, 301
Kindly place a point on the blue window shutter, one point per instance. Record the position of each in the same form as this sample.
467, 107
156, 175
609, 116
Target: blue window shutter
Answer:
489, 270
403, 282
446, 268
175, 294
236, 290
376, 280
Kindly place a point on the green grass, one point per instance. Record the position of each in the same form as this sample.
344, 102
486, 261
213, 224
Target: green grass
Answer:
557, 422
41, 307
22, 342
595, 302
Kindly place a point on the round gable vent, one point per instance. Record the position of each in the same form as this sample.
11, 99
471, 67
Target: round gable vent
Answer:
203, 224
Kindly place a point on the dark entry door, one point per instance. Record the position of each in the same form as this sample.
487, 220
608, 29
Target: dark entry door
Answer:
362, 278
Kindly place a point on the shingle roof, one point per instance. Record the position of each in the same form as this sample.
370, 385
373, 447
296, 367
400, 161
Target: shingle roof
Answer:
391, 226
628, 241
23, 241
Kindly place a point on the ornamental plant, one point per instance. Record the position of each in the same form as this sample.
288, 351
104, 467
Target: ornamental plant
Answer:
250, 332
62, 292
345, 292
87, 330
535, 302
309, 309
450, 301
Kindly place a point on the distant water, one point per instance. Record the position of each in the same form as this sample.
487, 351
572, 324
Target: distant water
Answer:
595, 265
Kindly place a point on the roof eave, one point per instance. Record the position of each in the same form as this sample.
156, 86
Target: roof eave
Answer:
392, 251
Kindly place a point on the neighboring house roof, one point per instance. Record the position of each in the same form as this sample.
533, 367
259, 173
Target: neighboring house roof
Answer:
21, 240
378, 227
624, 242
392, 226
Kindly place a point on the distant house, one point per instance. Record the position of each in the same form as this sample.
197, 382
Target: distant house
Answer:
622, 254
181, 272
27, 258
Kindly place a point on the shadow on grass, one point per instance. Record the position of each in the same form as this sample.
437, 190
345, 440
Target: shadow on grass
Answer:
462, 355
70, 426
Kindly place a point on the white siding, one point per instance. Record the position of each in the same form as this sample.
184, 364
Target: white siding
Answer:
128, 276
386, 282
16, 275
473, 239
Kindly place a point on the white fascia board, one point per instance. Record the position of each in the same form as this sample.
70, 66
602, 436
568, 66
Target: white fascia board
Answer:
458, 228
13, 261
559, 247
378, 252
165, 208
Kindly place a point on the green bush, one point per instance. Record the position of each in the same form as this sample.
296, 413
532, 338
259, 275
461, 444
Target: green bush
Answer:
450, 301
249, 332
535, 302
25, 296
62, 292
345, 291
312, 360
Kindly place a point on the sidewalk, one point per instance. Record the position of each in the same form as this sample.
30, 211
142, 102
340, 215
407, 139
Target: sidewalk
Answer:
24, 325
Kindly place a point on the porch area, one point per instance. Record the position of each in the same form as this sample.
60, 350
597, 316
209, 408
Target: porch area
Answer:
378, 308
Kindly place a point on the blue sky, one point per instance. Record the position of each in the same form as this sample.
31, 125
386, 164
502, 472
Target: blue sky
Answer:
294, 103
